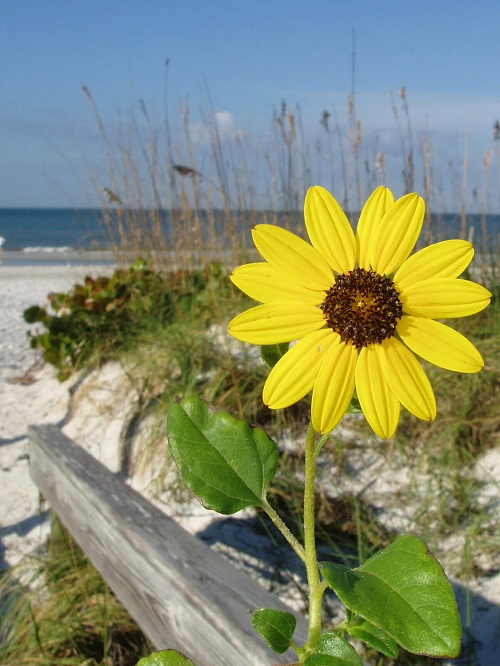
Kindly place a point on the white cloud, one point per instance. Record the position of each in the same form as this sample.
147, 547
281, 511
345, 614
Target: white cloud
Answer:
219, 123
225, 122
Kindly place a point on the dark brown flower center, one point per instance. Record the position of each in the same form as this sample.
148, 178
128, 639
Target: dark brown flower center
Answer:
363, 307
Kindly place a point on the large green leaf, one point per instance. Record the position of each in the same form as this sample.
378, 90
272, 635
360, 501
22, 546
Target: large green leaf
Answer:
404, 591
333, 650
276, 627
374, 637
227, 464
165, 658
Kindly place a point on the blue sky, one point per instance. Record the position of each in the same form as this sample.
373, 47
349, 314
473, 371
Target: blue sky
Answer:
239, 60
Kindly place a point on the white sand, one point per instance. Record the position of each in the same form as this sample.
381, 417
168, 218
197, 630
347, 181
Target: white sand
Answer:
28, 394
39, 398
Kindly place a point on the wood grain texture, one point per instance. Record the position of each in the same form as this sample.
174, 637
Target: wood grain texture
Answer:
182, 594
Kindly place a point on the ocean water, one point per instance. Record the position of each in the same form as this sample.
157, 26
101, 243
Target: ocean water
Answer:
54, 231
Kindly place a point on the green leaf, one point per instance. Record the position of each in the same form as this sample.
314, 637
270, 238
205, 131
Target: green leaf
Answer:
374, 637
165, 658
226, 463
404, 591
333, 650
271, 354
276, 627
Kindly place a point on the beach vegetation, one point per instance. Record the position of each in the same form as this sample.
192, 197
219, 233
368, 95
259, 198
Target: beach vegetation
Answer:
345, 342
56, 609
188, 355
101, 317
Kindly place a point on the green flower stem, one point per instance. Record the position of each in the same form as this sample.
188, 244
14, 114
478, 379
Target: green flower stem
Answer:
316, 588
297, 547
322, 440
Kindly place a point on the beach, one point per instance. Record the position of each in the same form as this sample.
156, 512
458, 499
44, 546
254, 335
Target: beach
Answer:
31, 394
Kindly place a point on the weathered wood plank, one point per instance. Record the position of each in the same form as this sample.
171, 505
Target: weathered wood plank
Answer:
182, 594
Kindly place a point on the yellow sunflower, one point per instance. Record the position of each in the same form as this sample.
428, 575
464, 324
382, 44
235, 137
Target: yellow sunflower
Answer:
360, 308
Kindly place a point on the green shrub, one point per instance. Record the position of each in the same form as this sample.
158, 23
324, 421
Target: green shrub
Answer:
99, 318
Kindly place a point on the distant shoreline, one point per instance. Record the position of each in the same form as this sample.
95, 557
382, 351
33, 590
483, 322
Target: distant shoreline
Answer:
57, 257
68, 257
82, 258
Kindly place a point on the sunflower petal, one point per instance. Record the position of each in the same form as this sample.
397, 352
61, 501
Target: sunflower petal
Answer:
440, 344
293, 257
272, 323
333, 387
395, 236
263, 283
373, 211
407, 379
379, 404
293, 375
442, 298
329, 229
447, 259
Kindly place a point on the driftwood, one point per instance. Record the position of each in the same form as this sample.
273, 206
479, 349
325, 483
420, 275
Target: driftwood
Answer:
182, 594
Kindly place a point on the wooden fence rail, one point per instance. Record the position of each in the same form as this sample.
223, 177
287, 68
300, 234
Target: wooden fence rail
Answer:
182, 594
